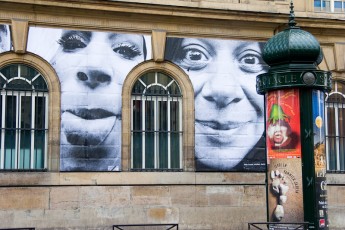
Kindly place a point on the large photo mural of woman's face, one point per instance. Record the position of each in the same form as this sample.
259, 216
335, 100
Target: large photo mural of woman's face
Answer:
5, 39
91, 67
229, 114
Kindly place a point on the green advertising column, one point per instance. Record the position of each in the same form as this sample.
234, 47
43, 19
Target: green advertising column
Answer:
295, 134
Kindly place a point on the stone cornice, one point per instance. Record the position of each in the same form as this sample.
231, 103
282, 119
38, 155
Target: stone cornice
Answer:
127, 16
265, 13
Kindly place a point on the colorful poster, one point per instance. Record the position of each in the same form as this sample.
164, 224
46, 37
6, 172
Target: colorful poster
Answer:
283, 124
229, 114
91, 67
285, 191
321, 212
5, 38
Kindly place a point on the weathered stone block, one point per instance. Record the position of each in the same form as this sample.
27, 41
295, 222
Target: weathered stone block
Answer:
254, 196
156, 195
97, 196
64, 198
183, 195
163, 214
24, 198
224, 195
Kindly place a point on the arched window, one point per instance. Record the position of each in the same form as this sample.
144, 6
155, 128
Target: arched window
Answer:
156, 123
24, 118
335, 128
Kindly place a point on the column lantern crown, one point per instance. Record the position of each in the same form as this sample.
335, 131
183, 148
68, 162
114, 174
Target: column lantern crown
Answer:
293, 56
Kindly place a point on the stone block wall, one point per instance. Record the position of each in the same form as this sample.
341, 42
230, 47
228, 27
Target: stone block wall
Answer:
214, 201
101, 200
336, 200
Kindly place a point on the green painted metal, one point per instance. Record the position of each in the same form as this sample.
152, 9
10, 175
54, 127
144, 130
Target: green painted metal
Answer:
308, 167
293, 56
305, 78
292, 45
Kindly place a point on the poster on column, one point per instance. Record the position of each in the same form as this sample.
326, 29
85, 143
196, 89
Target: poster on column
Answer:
320, 159
91, 67
283, 124
285, 191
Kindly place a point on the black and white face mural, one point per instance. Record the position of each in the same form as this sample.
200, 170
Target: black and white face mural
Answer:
229, 114
5, 38
91, 67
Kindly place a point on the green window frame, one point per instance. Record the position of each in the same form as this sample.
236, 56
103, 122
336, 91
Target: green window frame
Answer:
156, 123
24, 118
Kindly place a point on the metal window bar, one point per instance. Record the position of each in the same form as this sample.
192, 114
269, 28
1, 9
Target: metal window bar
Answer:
278, 226
19, 117
146, 227
335, 144
335, 131
155, 99
17, 107
156, 130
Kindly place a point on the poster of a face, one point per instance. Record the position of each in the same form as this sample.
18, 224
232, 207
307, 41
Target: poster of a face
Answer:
229, 114
5, 38
91, 67
285, 195
283, 124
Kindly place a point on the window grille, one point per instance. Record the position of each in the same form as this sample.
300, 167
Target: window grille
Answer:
156, 127
24, 120
335, 128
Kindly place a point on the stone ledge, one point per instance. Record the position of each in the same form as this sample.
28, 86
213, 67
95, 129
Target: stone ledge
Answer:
335, 178
9, 179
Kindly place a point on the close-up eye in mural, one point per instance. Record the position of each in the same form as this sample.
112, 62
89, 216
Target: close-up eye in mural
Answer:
4, 38
229, 113
91, 67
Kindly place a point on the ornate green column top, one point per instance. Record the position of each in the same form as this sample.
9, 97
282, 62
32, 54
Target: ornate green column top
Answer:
293, 56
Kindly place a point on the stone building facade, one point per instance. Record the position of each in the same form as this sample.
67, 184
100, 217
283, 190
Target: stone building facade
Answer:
73, 183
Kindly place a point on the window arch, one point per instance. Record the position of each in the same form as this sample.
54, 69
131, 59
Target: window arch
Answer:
335, 127
177, 82
24, 124
51, 162
156, 124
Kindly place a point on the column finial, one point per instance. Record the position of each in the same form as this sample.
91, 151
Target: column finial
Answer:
292, 22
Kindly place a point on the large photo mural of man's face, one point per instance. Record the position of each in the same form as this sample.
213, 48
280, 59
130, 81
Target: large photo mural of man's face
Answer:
91, 67
5, 38
229, 114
